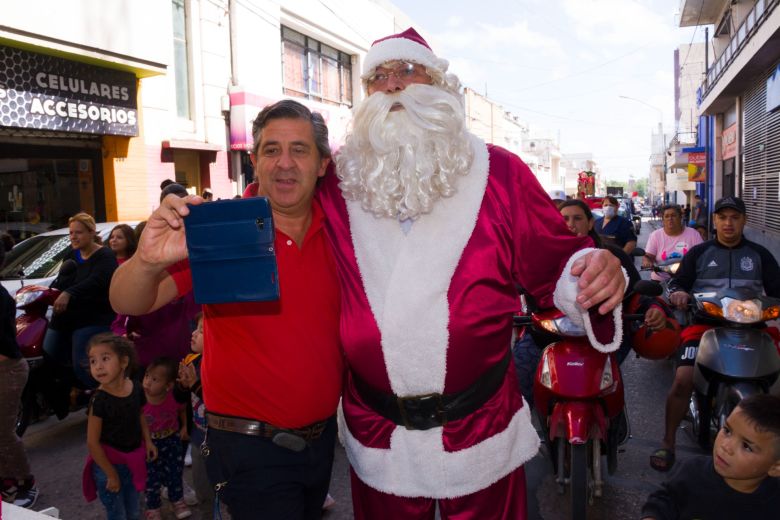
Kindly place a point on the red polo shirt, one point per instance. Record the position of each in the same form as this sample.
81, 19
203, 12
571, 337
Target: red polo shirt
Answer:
278, 362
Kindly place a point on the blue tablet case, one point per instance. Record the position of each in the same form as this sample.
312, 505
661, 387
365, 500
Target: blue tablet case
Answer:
231, 251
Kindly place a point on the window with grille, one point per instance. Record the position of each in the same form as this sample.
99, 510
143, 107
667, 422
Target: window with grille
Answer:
314, 70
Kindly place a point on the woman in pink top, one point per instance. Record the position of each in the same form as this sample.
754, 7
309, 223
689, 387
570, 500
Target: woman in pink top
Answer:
672, 241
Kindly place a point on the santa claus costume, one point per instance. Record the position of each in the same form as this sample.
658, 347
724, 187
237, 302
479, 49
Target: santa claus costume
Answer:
431, 409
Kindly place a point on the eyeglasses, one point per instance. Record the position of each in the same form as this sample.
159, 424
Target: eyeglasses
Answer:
405, 72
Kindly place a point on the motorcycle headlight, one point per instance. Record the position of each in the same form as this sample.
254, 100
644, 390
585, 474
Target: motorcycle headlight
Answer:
27, 297
546, 377
771, 313
741, 311
563, 326
671, 268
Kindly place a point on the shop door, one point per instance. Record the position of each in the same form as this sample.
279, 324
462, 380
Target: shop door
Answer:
728, 178
38, 194
187, 165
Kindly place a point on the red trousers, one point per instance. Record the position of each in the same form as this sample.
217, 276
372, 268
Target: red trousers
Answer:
503, 500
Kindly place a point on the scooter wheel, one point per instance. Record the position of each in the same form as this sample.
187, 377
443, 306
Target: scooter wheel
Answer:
703, 422
578, 481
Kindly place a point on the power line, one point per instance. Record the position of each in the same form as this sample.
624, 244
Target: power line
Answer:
567, 118
365, 38
698, 19
579, 73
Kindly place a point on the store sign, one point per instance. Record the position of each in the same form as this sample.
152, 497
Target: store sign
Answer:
729, 142
49, 93
697, 164
773, 91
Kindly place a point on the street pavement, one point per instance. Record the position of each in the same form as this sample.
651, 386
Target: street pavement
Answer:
57, 451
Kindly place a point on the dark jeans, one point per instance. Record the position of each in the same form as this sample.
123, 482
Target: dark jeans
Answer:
258, 479
526, 355
165, 471
69, 348
123, 505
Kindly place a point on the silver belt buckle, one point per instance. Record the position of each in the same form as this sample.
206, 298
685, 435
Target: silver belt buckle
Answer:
289, 441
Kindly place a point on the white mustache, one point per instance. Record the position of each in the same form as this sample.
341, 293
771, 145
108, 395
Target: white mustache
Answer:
428, 107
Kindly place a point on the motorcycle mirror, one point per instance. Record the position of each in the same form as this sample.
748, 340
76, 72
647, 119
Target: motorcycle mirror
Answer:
638, 251
648, 288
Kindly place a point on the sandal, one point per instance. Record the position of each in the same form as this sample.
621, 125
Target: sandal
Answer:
662, 459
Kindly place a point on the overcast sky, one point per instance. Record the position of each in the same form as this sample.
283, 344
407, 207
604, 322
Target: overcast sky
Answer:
561, 65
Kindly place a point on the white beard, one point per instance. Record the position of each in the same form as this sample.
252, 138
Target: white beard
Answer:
397, 164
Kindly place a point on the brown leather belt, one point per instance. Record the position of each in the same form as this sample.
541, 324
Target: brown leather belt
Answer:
262, 429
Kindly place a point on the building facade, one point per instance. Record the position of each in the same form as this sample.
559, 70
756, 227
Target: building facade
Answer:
102, 101
739, 100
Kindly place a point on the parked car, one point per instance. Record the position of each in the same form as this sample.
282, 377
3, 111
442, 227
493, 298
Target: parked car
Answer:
23, 230
37, 260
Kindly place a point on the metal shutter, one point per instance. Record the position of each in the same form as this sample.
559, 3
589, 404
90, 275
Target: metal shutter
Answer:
761, 158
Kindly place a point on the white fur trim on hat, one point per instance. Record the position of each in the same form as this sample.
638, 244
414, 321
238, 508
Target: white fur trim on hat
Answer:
395, 49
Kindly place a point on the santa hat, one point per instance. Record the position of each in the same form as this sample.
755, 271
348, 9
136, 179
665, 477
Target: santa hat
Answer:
407, 46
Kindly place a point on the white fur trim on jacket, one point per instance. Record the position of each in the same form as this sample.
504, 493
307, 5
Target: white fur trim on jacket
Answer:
416, 464
401, 49
565, 299
407, 278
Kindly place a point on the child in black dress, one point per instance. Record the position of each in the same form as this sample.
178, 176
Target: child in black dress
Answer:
117, 434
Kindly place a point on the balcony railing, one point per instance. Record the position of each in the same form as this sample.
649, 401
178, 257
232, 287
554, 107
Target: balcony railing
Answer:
749, 26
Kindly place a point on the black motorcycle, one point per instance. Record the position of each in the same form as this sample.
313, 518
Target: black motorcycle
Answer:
736, 359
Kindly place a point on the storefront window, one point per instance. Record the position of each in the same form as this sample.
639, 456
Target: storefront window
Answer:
41, 194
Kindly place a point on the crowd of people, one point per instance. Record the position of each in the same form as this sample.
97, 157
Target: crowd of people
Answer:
399, 262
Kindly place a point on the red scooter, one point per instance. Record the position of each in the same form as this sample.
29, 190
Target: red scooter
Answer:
578, 397
41, 393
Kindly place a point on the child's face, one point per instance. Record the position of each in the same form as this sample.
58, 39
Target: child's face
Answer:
105, 365
743, 455
196, 344
156, 382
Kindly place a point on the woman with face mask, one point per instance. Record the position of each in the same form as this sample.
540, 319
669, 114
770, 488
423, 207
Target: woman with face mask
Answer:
615, 229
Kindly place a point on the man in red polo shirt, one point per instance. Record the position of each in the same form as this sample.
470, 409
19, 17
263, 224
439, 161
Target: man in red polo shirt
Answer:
272, 371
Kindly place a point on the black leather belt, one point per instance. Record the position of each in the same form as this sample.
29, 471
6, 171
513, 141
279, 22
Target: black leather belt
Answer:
423, 412
262, 429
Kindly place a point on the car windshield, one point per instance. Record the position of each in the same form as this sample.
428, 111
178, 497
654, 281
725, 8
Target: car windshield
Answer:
36, 257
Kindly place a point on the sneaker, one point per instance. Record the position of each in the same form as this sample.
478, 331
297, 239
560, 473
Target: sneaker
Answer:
188, 456
26, 498
181, 510
189, 497
8, 489
153, 514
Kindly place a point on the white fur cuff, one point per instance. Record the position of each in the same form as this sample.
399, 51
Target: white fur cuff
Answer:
565, 299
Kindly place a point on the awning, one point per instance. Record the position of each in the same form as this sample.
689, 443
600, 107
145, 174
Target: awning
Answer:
184, 144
